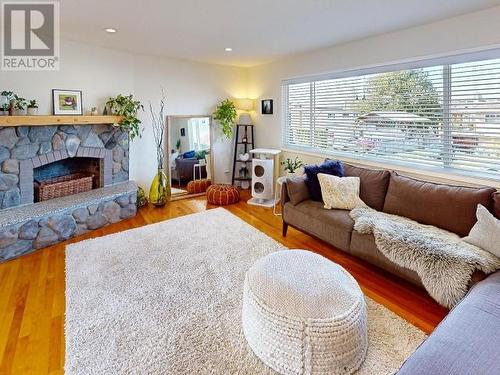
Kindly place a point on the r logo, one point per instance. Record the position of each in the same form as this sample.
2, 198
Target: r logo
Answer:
30, 35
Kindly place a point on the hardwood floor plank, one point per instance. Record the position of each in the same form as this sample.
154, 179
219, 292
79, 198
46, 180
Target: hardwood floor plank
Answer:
32, 288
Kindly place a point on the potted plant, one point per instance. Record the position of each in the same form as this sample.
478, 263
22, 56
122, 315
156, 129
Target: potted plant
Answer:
6, 98
290, 166
93, 111
178, 145
127, 107
4, 109
33, 108
19, 106
225, 114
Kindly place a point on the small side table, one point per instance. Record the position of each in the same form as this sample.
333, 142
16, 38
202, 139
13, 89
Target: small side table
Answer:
277, 193
199, 166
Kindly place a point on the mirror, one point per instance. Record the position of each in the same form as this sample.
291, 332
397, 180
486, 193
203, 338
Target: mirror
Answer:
190, 152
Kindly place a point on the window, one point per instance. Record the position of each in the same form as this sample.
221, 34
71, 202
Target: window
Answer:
199, 133
441, 116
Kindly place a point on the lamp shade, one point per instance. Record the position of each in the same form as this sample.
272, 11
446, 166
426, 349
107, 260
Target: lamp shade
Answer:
244, 104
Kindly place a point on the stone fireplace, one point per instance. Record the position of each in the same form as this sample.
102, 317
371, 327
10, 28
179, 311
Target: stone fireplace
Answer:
26, 150
31, 155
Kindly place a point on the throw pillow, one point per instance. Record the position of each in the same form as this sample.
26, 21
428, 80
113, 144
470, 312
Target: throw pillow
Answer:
189, 154
330, 167
486, 232
297, 190
340, 192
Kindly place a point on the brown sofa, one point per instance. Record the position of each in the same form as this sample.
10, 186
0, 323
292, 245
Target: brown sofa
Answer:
467, 341
452, 208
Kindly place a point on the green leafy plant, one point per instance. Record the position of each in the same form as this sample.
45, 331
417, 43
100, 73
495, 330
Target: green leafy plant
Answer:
178, 145
290, 165
33, 104
128, 108
7, 101
226, 113
201, 154
8, 94
20, 103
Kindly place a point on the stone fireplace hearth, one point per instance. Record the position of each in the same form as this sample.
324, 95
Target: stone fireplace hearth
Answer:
31, 154
25, 148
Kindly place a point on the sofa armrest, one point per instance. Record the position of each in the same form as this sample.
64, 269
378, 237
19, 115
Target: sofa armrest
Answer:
466, 342
284, 194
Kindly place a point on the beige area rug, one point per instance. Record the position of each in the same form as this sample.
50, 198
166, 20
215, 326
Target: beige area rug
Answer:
166, 299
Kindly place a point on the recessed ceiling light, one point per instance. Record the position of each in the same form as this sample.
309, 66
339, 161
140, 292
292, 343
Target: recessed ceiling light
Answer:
110, 30
228, 49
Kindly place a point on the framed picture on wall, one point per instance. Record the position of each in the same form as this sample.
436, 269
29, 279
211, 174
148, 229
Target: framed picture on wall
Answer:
267, 107
67, 102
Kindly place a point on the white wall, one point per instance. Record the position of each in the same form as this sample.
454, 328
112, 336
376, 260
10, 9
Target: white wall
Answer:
195, 88
191, 89
471, 31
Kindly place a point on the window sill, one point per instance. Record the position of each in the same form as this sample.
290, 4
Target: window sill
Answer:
425, 173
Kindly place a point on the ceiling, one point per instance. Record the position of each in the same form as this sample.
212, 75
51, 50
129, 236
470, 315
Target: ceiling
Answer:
258, 31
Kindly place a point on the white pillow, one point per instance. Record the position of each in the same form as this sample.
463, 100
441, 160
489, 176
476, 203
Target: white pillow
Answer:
486, 232
340, 192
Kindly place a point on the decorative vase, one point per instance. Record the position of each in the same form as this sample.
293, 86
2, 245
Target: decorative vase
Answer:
159, 193
32, 111
244, 157
19, 112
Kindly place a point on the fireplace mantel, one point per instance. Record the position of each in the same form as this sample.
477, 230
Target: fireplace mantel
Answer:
42, 120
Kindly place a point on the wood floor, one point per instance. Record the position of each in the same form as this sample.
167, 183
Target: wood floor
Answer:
32, 301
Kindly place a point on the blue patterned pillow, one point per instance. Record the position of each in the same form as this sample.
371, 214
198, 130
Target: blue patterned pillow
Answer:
333, 167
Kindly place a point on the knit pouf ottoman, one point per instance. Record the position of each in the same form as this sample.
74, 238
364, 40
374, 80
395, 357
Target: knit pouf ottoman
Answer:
198, 186
303, 314
222, 195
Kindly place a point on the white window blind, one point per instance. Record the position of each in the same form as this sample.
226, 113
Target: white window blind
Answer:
442, 116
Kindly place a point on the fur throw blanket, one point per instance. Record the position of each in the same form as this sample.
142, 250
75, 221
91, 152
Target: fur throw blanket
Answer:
442, 260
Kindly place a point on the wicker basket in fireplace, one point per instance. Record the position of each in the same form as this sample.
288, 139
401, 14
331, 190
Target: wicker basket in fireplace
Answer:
62, 186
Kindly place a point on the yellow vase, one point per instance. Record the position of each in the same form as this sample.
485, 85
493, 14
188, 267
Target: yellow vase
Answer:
159, 193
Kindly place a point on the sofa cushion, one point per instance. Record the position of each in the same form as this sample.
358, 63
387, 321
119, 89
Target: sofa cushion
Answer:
373, 184
452, 208
328, 167
467, 341
297, 189
496, 204
332, 226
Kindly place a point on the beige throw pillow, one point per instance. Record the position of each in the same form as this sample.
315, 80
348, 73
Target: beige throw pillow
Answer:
486, 232
340, 192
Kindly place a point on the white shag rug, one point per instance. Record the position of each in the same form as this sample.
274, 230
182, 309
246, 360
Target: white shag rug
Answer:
166, 299
174, 192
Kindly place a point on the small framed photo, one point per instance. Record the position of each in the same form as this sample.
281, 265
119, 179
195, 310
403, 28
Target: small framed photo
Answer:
267, 107
67, 102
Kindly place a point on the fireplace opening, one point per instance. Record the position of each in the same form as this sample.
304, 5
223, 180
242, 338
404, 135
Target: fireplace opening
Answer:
66, 177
